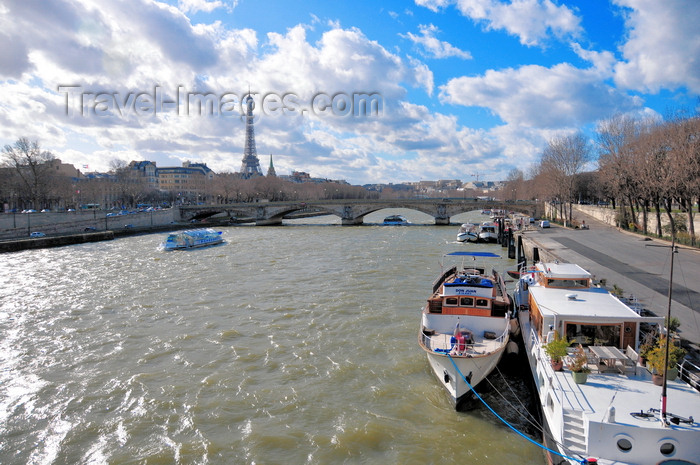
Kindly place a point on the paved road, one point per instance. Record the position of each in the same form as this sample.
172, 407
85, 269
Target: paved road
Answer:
637, 265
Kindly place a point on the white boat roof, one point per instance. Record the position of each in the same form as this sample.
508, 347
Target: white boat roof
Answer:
589, 304
565, 271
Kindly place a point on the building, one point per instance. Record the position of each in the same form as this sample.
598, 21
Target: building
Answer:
58, 168
147, 170
189, 180
271, 169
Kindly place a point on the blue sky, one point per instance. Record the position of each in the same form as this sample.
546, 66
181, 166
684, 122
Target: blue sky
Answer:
465, 87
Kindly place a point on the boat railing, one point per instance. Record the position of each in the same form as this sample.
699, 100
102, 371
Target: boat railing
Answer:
445, 342
690, 373
500, 339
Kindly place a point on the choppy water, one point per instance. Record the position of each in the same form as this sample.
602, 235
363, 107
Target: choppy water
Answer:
288, 345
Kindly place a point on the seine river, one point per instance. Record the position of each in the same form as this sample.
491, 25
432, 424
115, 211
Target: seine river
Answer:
287, 345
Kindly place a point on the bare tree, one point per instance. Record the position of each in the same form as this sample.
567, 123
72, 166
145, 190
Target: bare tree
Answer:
514, 186
615, 161
684, 142
562, 160
31, 166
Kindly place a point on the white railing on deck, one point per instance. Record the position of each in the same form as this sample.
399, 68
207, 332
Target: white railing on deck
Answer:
690, 373
426, 339
550, 378
503, 336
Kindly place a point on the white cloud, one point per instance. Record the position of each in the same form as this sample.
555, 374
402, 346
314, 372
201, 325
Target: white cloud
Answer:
532, 21
423, 75
663, 45
193, 6
433, 5
435, 48
539, 97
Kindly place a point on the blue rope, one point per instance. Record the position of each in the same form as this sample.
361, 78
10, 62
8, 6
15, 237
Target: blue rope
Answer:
582, 462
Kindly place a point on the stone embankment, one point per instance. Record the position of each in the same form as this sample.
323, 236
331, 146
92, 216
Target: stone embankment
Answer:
67, 228
57, 241
609, 216
21, 225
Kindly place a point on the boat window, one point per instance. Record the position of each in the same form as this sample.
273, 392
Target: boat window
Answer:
467, 302
624, 445
588, 335
482, 302
667, 448
451, 301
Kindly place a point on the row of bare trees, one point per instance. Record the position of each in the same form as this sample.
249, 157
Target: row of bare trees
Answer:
645, 166
230, 187
650, 166
29, 179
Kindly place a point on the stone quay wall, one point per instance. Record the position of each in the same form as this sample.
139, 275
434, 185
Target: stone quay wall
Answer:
20, 225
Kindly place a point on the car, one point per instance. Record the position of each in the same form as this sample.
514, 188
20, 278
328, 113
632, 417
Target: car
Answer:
37, 234
71, 210
29, 211
46, 210
128, 226
90, 229
544, 224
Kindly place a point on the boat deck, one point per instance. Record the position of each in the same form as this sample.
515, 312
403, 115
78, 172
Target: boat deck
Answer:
634, 389
481, 346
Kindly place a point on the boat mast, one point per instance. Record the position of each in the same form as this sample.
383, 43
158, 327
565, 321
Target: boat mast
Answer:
668, 333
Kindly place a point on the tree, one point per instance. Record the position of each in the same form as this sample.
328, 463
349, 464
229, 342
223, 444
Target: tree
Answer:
684, 139
615, 160
514, 186
31, 167
562, 160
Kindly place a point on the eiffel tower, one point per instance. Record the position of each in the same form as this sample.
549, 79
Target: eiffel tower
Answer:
251, 165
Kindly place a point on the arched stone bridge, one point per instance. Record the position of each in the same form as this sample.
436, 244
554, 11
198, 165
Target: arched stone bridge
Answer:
351, 212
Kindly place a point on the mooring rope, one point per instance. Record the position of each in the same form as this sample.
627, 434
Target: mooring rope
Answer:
581, 461
529, 417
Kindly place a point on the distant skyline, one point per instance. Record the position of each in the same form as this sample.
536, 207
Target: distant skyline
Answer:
369, 92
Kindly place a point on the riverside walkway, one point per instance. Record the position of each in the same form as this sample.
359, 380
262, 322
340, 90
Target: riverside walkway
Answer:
635, 264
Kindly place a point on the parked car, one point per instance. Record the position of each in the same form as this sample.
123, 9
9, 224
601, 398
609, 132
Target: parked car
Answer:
46, 210
37, 234
128, 226
90, 229
544, 224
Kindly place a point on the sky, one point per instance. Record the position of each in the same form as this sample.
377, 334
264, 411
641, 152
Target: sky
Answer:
365, 91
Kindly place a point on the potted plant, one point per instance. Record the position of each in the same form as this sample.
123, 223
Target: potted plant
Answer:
647, 345
579, 366
556, 349
656, 357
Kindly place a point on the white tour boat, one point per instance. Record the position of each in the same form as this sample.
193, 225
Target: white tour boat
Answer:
617, 416
465, 325
192, 238
488, 232
396, 220
468, 233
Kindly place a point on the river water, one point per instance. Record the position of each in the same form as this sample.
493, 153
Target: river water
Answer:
287, 345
